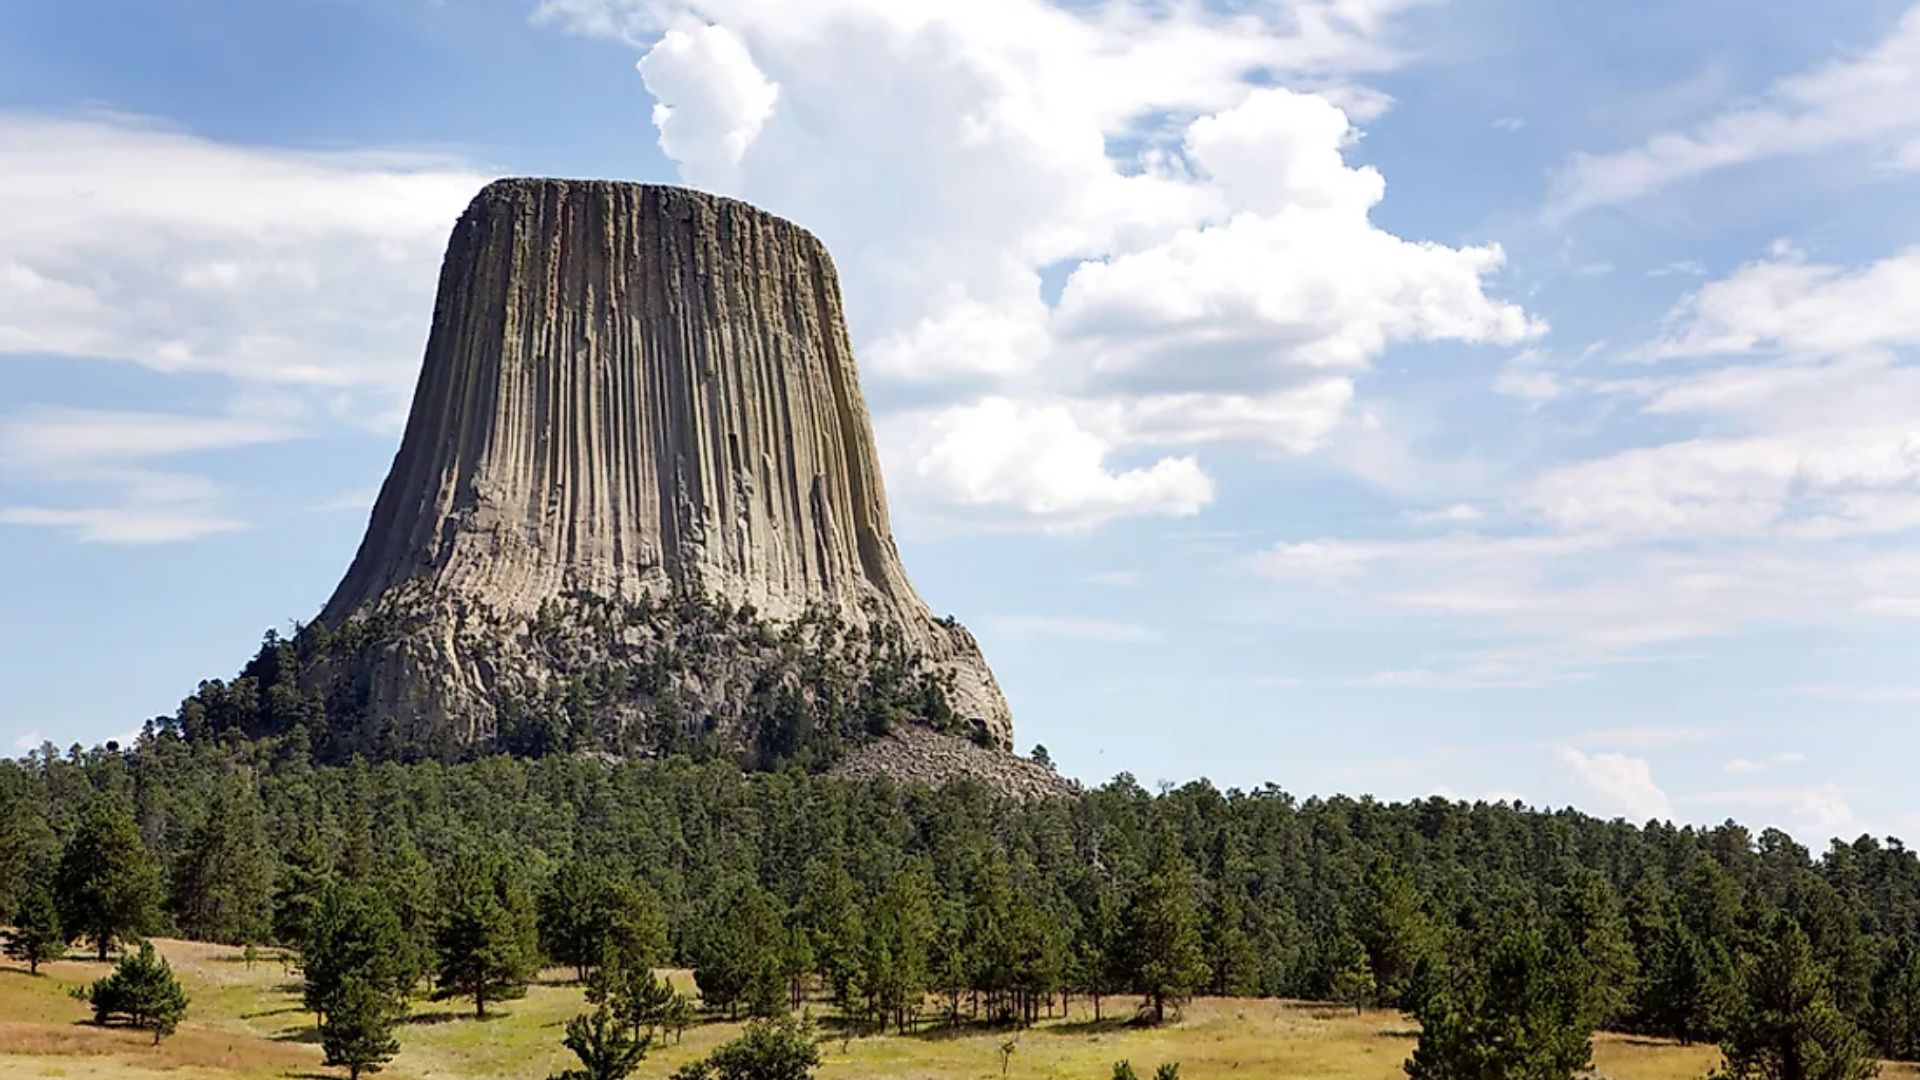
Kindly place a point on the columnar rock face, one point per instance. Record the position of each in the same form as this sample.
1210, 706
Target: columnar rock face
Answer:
629, 391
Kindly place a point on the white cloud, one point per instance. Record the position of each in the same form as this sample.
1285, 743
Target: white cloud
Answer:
1788, 305
269, 265
1039, 462
1622, 784
1822, 811
1222, 279
1871, 99
711, 99
1069, 628
96, 461
28, 742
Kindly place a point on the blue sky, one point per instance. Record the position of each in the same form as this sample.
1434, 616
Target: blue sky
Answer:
1482, 397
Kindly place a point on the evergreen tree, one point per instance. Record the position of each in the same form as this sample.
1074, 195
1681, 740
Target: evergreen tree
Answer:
585, 913
738, 958
1896, 1007
107, 887
1163, 932
222, 884
353, 938
1692, 989
605, 1050
1394, 927
1788, 1027
1508, 1012
633, 994
1229, 951
1353, 982
778, 1049
306, 876
357, 1032
1602, 944
142, 992
36, 937
486, 941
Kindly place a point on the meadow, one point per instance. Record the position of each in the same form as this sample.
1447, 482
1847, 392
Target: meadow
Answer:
246, 1022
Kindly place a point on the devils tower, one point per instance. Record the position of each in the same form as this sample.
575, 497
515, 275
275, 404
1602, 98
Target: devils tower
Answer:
637, 502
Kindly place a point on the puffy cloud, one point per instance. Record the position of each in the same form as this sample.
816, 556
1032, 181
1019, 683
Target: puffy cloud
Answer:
1872, 98
1039, 461
1622, 784
710, 98
1101, 219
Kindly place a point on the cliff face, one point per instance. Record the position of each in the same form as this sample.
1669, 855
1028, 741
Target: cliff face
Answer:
629, 392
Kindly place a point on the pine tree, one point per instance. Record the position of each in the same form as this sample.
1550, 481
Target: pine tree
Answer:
1164, 934
107, 887
36, 937
353, 938
142, 991
1352, 982
585, 912
1395, 929
486, 939
1896, 1007
605, 1050
1509, 1011
222, 883
1602, 940
358, 1030
1788, 1027
304, 880
738, 958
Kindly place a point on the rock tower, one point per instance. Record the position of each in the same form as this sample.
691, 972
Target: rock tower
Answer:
632, 394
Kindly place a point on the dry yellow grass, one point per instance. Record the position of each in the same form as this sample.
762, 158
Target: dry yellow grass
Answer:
246, 1023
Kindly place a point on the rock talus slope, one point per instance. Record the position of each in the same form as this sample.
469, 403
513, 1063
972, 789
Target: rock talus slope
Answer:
629, 391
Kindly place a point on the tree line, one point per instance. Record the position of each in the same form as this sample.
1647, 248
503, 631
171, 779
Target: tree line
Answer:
909, 907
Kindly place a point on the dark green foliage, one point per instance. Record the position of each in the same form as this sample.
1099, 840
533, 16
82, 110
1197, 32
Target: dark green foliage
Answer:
586, 914
1163, 932
1028, 901
1169, 1070
36, 937
1788, 1027
485, 942
222, 882
1353, 982
1506, 1010
1896, 1007
1123, 1070
354, 940
737, 954
107, 887
605, 1050
357, 1032
142, 992
778, 1049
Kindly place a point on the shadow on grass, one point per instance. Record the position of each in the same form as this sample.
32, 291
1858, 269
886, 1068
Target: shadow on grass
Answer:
453, 1016
309, 1035
264, 1013
1104, 1025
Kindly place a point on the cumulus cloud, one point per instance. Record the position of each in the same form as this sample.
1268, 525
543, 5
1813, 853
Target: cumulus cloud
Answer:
1620, 783
1040, 462
1869, 99
1786, 304
1217, 275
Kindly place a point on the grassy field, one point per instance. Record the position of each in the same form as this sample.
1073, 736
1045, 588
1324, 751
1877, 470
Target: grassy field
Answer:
247, 1023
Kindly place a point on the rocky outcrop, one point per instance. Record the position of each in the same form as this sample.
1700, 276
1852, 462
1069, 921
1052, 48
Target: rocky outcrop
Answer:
630, 393
929, 758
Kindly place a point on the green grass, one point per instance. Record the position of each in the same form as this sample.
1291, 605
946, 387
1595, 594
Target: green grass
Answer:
247, 1023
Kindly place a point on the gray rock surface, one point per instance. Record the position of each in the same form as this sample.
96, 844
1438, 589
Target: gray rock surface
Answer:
628, 390
920, 756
